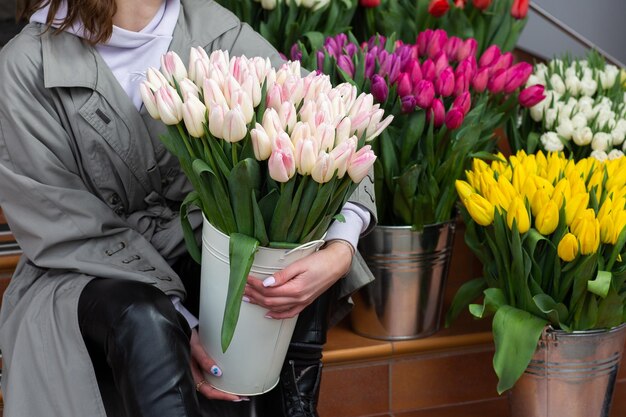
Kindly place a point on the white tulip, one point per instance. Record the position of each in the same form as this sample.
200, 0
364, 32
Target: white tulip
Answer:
534, 80
609, 76
551, 142
579, 121
601, 141
583, 136
599, 155
604, 116
588, 86
618, 136
557, 84
573, 85
550, 118
615, 154
536, 112
571, 72
565, 129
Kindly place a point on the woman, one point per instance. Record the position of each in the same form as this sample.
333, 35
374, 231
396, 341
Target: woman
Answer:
92, 323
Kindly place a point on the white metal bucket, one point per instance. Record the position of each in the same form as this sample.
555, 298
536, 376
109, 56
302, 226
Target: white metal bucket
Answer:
252, 362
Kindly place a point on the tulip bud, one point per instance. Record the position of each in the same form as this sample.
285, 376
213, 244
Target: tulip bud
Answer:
306, 155
463, 102
531, 96
463, 189
520, 9
323, 170
588, 235
438, 8
441, 63
504, 62
518, 213
437, 43
379, 88
187, 88
444, 85
481, 79
172, 67
281, 164
517, 76
261, 144
428, 70
287, 116
408, 104
156, 79
437, 113
467, 49
360, 163
271, 123
404, 85
342, 154
325, 136
149, 100
497, 80
452, 46
454, 118
170, 105
234, 128
490, 56
216, 121
481, 4
213, 93
547, 219
480, 209
346, 64
194, 116
424, 93
568, 248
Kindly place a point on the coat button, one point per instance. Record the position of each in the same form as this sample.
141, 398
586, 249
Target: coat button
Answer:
114, 199
119, 210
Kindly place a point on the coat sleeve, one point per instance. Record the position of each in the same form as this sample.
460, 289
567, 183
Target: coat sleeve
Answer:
57, 221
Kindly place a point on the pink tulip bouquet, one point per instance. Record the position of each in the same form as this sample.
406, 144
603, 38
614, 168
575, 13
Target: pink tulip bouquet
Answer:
284, 22
489, 22
446, 104
272, 155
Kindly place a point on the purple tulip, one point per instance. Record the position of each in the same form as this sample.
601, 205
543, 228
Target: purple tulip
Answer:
394, 71
517, 76
444, 85
437, 112
451, 48
423, 39
463, 102
532, 95
454, 118
376, 40
342, 40
370, 64
404, 85
408, 104
321, 57
428, 70
424, 93
331, 46
480, 80
351, 49
441, 63
490, 56
345, 63
379, 89
295, 52
496, 81
467, 49
384, 62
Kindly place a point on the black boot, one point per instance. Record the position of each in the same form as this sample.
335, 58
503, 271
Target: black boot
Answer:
297, 392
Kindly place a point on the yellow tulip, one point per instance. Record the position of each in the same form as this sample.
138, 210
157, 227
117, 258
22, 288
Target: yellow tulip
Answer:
519, 177
607, 230
605, 208
472, 178
530, 165
588, 236
568, 248
478, 165
562, 192
507, 188
547, 219
464, 189
529, 189
543, 184
480, 209
539, 200
542, 162
619, 222
497, 197
517, 211
574, 206
584, 215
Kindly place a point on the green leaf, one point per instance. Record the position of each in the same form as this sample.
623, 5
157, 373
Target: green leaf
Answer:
296, 229
515, 334
222, 200
467, 293
494, 299
244, 179
600, 286
260, 230
241, 256
556, 312
280, 221
190, 239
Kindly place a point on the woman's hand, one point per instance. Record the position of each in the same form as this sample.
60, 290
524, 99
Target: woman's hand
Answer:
299, 284
200, 361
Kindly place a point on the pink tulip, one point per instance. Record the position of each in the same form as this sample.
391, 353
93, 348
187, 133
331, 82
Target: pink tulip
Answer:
424, 93
490, 56
414, 71
463, 102
156, 79
213, 93
532, 95
444, 86
344, 130
306, 155
441, 63
194, 116
467, 67
404, 85
423, 39
341, 156
360, 163
234, 128
149, 100
437, 42
198, 64
170, 105
287, 115
454, 118
504, 62
437, 112
172, 67
261, 144
325, 136
271, 123
452, 46
244, 101
496, 81
376, 125
216, 120
274, 97
187, 87
428, 70
281, 165
467, 49
461, 85
517, 76
323, 171
480, 80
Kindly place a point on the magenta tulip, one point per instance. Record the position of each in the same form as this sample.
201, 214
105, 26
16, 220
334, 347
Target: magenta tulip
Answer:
496, 81
461, 85
441, 63
423, 39
454, 118
467, 49
346, 64
437, 42
379, 88
404, 86
463, 102
444, 86
490, 56
408, 104
424, 93
437, 112
532, 95
517, 76
452, 46
412, 67
428, 70
504, 62
480, 80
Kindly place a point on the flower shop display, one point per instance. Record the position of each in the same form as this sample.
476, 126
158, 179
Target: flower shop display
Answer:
584, 113
284, 22
489, 22
272, 156
446, 103
550, 234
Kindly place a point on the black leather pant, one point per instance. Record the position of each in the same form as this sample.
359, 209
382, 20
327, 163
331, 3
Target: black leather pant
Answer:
139, 346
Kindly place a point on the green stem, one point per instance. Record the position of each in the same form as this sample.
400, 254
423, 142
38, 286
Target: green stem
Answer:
186, 141
233, 149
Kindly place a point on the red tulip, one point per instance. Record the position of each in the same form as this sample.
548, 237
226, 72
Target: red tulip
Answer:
369, 3
532, 95
438, 8
519, 9
481, 4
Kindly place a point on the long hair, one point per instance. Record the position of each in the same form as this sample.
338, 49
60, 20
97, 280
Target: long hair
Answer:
95, 15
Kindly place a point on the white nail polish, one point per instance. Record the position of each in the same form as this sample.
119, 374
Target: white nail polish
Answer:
269, 281
245, 299
267, 316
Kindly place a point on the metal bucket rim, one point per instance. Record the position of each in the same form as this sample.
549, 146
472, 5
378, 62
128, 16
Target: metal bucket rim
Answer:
408, 227
560, 333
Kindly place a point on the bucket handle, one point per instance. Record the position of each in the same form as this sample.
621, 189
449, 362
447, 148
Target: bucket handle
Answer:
304, 246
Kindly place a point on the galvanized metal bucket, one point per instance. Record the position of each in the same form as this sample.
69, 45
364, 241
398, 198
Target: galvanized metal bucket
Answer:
405, 300
570, 375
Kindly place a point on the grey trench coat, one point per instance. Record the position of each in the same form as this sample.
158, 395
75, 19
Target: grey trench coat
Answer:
89, 191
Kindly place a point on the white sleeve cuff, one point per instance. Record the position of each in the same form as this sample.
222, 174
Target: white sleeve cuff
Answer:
191, 319
357, 220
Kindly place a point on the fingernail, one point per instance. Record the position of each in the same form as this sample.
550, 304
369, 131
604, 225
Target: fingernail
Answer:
244, 398
245, 299
267, 316
216, 371
269, 281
